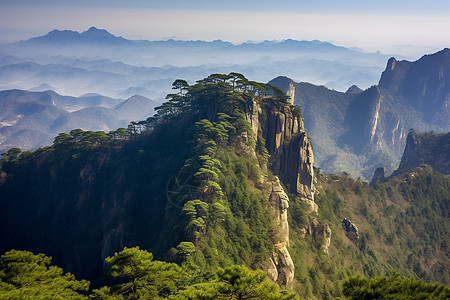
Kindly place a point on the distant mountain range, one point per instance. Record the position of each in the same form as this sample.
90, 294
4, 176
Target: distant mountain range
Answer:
32, 119
358, 131
96, 61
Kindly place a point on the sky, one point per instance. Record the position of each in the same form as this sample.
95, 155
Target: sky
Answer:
401, 27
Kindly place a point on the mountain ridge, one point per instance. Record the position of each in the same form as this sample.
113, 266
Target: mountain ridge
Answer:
360, 131
48, 113
426, 148
196, 185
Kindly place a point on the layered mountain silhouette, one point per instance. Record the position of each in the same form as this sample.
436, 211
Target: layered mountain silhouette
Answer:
103, 63
359, 131
32, 119
71, 38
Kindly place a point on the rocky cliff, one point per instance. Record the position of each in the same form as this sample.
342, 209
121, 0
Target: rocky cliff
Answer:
280, 267
427, 148
86, 200
359, 131
423, 84
291, 159
291, 155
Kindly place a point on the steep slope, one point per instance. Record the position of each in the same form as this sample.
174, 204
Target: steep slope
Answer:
198, 181
324, 112
220, 177
359, 131
423, 85
402, 224
427, 148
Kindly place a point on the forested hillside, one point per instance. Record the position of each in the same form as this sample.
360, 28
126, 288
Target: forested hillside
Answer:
221, 176
401, 224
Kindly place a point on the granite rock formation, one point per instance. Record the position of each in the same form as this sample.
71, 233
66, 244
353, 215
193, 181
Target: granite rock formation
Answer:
321, 234
291, 155
350, 230
291, 159
427, 148
358, 131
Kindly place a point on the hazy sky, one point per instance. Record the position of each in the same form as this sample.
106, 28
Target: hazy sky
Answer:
389, 26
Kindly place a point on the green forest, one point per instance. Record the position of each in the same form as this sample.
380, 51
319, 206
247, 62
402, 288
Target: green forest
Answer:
24, 275
177, 207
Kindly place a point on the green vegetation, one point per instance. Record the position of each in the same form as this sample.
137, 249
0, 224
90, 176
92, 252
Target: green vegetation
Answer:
185, 181
190, 185
142, 277
403, 225
24, 275
394, 287
236, 282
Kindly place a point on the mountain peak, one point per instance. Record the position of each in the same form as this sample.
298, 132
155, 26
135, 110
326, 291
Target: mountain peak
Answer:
427, 148
94, 31
354, 89
93, 28
70, 37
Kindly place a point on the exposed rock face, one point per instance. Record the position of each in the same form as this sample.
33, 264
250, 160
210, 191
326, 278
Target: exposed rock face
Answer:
321, 234
291, 93
424, 83
283, 271
290, 150
350, 229
427, 148
378, 175
279, 204
291, 159
371, 126
285, 265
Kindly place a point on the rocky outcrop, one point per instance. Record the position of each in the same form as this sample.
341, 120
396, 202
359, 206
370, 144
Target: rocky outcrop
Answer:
424, 83
350, 230
378, 175
427, 148
321, 233
291, 155
281, 128
282, 266
291, 93
373, 124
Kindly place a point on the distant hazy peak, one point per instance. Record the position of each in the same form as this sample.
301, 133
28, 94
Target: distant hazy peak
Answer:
354, 89
93, 31
282, 82
68, 37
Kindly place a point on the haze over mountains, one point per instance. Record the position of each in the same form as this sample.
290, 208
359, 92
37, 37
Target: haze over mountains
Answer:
358, 131
224, 174
354, 131
32, 119
96, 61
